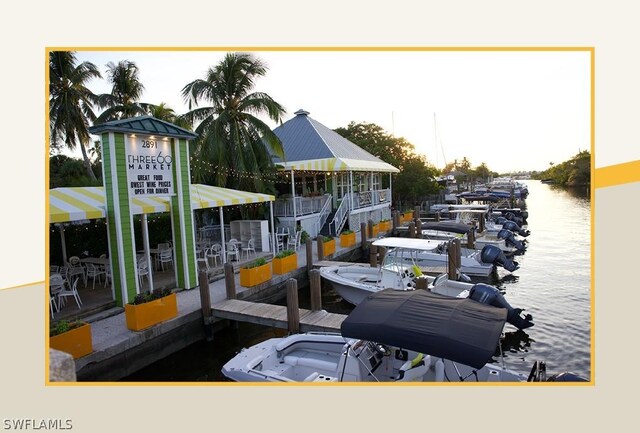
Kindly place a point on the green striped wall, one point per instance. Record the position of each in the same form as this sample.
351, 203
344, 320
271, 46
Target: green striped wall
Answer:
180, 153
111, 219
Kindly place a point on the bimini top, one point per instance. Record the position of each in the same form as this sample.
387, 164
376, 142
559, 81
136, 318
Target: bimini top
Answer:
447, 226
460, 330
408, 243
309, 145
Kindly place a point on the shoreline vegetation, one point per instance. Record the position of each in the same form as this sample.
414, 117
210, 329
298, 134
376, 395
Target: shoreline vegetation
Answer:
574, 172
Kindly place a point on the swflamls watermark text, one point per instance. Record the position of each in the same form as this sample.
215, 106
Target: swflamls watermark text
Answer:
37, 424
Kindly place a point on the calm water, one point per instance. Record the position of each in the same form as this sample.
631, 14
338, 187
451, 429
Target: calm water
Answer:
553, 284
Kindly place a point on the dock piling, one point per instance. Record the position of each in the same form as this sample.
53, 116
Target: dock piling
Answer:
205, 302
373, 256
315, 287
293, 312
320, 245
363, 236
309, 248
229, 281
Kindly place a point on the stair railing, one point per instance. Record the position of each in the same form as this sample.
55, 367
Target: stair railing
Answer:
324, 213
341, 215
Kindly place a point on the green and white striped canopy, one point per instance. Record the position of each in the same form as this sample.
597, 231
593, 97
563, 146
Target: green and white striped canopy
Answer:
82, 203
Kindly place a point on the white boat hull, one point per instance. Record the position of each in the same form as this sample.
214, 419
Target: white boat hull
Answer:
325, 358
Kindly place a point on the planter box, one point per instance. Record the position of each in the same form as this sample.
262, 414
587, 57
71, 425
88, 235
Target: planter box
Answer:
376, 229
285, 265
407, 217
329, 248
385, 226
76, 342
143, 316
254, 276
347, 240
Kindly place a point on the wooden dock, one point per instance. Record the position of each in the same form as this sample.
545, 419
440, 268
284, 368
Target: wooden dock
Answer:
276, 315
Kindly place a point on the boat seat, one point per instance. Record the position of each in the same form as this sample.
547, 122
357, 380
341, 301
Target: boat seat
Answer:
313, 376
310, 362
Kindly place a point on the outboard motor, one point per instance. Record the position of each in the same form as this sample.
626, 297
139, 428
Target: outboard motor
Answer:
512, 217
500, 220
510, 225
490, 295
566, 376
494, 255
510, 240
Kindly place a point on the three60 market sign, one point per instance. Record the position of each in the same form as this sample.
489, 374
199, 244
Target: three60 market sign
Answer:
149, 166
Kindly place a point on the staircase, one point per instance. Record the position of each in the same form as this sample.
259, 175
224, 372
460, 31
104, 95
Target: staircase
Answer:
325, 229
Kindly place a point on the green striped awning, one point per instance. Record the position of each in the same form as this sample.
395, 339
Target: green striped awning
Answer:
82, 203
340, 164
207, 196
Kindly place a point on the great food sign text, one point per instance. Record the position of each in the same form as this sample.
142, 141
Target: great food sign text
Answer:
149, 166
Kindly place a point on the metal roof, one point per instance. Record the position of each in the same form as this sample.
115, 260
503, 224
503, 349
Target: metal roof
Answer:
306, 141
143, 125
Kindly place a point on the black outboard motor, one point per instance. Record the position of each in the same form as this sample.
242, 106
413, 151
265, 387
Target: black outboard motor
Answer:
489, 295
510, 225
494, 255
510, 240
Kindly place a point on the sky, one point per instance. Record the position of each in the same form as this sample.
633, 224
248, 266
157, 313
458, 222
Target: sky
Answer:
513, 110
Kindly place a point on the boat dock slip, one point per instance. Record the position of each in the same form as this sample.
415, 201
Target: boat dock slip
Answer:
276, 315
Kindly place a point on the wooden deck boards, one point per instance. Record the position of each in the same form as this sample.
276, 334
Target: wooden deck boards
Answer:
276, 315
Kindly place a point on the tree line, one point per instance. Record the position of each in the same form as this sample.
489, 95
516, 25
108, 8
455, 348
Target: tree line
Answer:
573, 172
234, 145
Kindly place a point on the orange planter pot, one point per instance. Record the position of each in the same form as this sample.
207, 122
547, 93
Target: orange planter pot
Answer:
329, 248
254, 276
77, 342
143, 316
285, 265
385, 226
347, 240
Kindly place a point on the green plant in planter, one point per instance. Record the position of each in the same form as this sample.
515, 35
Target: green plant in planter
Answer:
64, 326
283, 254
326, 239
143, 298
259, 262
347, 232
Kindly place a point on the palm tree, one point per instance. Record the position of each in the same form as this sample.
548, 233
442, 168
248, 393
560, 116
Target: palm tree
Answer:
230, 136
163, 112
126, 90
71, 103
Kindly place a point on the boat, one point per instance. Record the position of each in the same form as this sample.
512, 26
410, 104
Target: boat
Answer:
392, 336
355, 283
433, 253
448, 230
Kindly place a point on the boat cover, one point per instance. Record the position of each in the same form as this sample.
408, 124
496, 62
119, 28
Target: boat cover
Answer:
447, 226
461, 330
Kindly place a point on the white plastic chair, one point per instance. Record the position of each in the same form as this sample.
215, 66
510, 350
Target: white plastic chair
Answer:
250, 248
94, 271
165, 256
294, 242
215, 253
75, 268
232, 249
143, 270
70, 290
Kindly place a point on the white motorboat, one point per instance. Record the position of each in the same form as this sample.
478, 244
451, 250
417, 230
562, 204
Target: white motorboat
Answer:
448, 230
434, 254
392, 336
